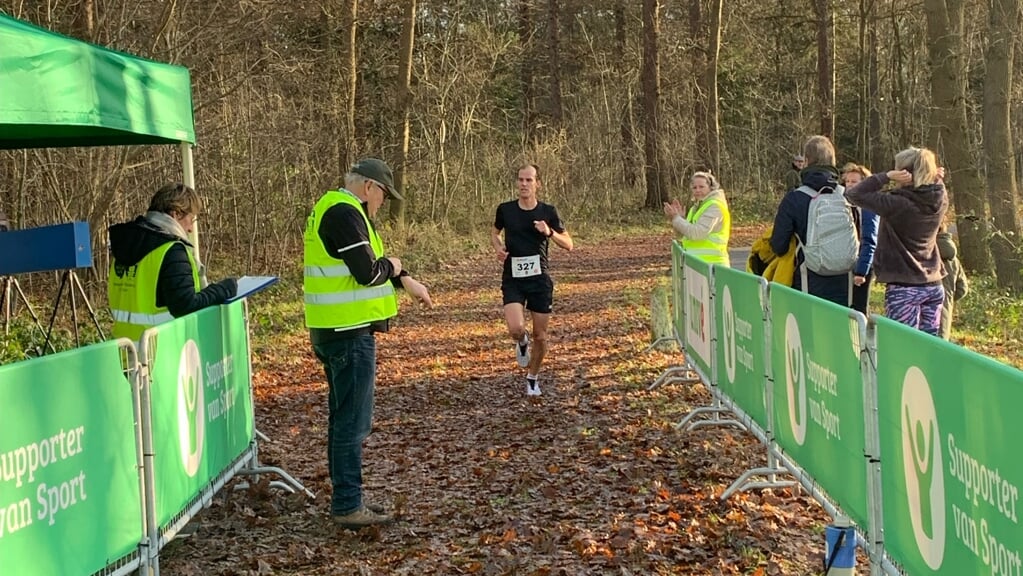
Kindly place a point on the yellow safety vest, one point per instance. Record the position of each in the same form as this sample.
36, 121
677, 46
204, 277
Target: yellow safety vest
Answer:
132, 293
333, 298
714, 248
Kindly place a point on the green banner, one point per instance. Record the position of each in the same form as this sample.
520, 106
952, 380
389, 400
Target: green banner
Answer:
678, 290
69, 473
950, 472
201, 402
739, 302
818, 394
697, 334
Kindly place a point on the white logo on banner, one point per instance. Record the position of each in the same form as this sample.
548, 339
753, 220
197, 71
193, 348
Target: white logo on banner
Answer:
728, 325
921, 459
191, 408
795, 379
697, 313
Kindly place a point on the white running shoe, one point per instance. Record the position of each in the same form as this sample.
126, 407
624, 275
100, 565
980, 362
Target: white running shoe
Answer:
522, 351
532, 387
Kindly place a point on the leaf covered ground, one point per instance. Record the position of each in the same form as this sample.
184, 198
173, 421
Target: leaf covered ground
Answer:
592, 479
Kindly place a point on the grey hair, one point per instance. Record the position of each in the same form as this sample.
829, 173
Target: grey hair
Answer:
712, 182
353, 179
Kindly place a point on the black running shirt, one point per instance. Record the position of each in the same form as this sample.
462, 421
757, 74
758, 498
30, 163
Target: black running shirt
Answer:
521, 237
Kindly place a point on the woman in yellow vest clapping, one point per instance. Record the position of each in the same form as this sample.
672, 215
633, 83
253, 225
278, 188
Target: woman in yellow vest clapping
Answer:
707, 225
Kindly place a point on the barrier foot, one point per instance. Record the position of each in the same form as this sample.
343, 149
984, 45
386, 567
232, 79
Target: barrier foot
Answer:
262, 436
686, 423
289, 483
660, 341
669, 377
742, 483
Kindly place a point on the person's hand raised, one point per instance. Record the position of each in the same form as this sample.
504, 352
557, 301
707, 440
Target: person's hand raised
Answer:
900, 177
674, 209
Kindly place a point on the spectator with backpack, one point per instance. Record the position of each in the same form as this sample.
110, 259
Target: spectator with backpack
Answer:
908, 260
863, 273
822, 222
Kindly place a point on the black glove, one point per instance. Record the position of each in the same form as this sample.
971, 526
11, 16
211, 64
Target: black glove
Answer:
231, 285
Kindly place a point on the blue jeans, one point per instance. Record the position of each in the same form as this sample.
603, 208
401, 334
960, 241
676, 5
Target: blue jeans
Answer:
351, 368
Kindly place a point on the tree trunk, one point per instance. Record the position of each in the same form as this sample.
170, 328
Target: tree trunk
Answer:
627, 132
554, 57
526, 29
878, 162
348, 150
949, 131
701, 99
826, 66
710, 85
87, 20
1003, 24
656, 187
408, 37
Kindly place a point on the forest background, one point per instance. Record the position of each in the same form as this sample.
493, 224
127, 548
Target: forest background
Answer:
617, 101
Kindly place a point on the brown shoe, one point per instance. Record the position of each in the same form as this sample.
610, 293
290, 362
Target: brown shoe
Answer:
361, 518
375, 507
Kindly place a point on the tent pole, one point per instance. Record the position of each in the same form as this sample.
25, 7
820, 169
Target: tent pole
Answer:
188, 179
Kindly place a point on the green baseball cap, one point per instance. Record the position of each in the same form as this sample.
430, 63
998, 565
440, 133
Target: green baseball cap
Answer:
378, 171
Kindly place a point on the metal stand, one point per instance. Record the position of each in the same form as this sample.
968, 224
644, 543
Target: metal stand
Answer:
661, 340
715, 410
674, 375
10, 287
69, 277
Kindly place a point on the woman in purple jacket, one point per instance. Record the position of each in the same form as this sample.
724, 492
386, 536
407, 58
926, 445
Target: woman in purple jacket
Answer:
907, 258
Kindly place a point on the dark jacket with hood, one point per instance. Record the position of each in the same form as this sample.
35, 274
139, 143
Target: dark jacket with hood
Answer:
907, 249
791, 219
955, 282
130, 242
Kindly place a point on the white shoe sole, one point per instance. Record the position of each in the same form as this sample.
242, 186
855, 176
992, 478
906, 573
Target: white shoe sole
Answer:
522, 359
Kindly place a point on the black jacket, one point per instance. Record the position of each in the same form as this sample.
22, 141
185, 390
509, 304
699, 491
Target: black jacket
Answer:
792, 217
130, 242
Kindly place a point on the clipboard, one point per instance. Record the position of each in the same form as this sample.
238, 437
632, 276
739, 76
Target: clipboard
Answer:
249, 285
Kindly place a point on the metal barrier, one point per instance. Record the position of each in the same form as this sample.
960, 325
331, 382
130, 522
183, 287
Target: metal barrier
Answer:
849, 411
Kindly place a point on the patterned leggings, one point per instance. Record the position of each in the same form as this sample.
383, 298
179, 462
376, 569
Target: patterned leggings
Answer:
916, 306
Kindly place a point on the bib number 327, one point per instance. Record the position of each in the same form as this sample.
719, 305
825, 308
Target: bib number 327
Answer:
525, 266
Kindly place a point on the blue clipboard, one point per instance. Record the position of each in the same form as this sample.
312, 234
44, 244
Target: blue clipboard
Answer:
249, 285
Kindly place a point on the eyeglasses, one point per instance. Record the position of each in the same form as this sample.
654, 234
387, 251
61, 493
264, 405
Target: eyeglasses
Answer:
382, 189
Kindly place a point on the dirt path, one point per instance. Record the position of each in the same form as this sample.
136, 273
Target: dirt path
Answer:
590, 480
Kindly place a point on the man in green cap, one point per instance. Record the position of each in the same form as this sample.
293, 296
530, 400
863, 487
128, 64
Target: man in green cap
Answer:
350, 286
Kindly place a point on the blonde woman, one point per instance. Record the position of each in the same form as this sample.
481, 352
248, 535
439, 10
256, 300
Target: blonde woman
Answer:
863, 272
908, 260
705, 228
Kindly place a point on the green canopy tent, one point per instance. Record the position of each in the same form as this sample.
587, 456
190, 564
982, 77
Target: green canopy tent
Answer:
56, 91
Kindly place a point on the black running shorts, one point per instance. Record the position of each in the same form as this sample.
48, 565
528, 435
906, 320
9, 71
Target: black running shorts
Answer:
536, 293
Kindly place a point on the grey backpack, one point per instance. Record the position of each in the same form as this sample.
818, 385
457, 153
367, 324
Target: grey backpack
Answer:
832, 245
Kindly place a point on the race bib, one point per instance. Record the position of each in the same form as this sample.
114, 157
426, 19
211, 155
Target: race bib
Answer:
525, 266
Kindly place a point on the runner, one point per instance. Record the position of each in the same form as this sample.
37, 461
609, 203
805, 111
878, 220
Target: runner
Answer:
527, 225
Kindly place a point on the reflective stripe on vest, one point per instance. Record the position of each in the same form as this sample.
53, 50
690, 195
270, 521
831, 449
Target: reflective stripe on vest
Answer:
714, 248
132, 293
333, 298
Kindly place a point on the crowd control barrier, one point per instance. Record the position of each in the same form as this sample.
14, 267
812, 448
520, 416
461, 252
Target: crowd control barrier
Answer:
70, 461
904, 433
107, 452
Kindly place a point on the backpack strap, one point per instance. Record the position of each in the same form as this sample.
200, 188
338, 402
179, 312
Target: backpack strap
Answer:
808, 191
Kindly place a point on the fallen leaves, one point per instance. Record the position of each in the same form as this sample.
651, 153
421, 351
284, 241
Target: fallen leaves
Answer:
591, 480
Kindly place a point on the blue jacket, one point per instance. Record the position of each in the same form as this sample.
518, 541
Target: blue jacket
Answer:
868, 242
792, 216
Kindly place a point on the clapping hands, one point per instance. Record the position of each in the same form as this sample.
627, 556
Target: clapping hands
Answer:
674, 209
